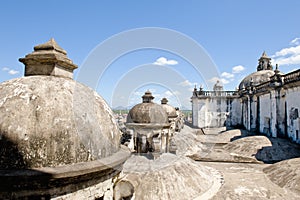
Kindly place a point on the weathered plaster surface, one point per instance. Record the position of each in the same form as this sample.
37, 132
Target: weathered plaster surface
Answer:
51, 121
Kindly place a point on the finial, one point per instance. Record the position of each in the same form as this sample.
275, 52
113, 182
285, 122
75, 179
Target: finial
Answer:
264, 55
48, 59
276, 69
164, 101
243, 87
147, 97
251, 81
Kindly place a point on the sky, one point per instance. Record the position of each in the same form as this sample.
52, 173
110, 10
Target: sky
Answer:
124, 48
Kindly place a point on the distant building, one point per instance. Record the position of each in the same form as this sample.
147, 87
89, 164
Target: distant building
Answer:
266, 101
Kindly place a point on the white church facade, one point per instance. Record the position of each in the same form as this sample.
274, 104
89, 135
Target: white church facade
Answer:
266, 101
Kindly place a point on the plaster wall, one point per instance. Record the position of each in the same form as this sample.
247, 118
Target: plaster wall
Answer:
293, 106
265, 113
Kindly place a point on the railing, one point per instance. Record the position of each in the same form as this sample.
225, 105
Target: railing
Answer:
262, 87
292, 77
217, 93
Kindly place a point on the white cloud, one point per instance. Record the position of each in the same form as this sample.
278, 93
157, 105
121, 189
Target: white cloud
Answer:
186, 83
10, 71
215, 79
165, 61
168, 94
238, 69
295, 41
288, 51
138, 93
287, 56
227, 75
13, 72
176, 93
224, 81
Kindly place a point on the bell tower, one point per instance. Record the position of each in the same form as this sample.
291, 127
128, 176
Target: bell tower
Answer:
264, 62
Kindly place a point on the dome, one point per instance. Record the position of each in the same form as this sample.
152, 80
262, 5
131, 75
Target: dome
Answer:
263, 74
48, 121
171, 111
170, 177
147, 112
256, 78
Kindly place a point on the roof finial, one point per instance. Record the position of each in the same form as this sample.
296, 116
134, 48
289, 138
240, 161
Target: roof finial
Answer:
147, 97
48, 59
276, 69
164, 101
264, 55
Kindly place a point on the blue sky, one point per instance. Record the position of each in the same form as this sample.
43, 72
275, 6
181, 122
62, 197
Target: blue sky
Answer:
232, 33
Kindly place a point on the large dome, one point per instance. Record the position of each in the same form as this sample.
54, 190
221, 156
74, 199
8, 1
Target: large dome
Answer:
263, 74
256, 78
47, 119
51, 121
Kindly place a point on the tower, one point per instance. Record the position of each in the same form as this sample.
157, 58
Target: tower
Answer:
264, 62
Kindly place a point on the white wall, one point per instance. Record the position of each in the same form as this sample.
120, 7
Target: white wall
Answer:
293, 103
265, 113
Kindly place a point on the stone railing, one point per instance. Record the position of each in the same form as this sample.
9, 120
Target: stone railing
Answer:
217, 93
262, 87
292, 77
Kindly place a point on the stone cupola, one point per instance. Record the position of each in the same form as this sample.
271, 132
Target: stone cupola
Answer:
264, 63
48, 59
171, 111
147, 97
164, 100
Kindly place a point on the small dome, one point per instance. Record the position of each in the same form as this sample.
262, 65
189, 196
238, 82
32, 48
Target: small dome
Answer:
170, 177
47, 121
147, 112
256, 78
171, 111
